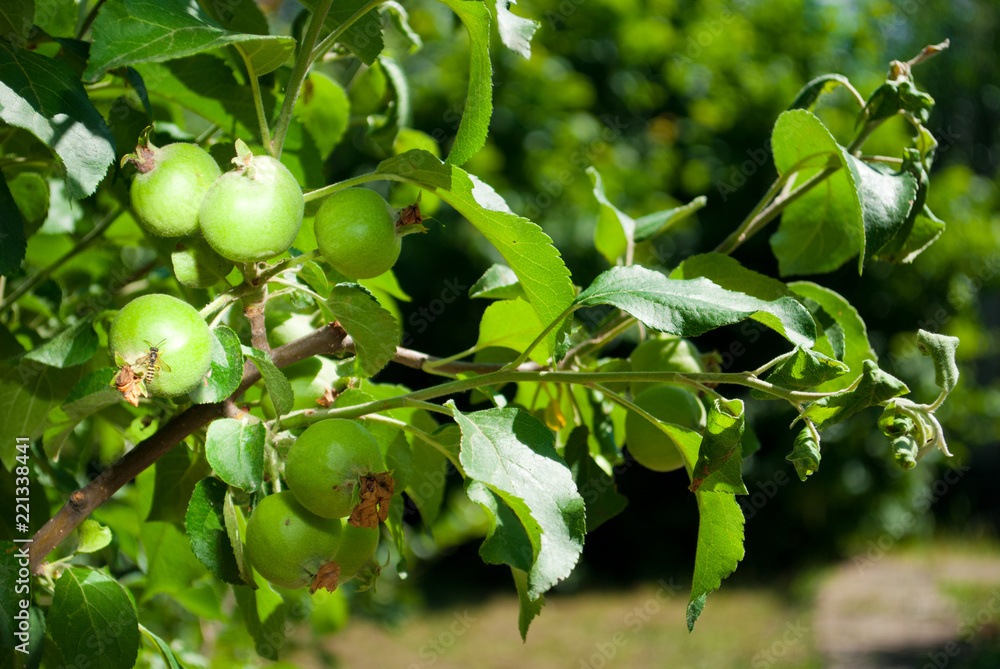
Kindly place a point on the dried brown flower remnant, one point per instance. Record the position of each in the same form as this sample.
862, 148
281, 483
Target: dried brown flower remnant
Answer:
326, 578
376, 491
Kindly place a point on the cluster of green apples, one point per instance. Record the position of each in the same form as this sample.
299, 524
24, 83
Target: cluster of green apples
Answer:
291, 535
247, 215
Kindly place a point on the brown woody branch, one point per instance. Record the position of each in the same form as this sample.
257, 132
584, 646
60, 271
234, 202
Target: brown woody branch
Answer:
326, 340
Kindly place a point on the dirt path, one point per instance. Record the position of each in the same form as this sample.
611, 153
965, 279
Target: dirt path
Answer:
891, 612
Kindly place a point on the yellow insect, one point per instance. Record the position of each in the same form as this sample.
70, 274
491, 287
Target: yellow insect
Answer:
152, 361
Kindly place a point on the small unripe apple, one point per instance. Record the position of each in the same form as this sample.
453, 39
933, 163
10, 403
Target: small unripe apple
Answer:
649, 445
286, 544
167, 192
326, 463
253, 212
356, 232
176, 330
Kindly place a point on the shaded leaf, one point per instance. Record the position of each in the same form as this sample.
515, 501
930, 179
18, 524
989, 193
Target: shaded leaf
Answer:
845, 337
172, 569
73, 346
277, 385
127, 32
806, 368
92, 617
598, 489
45, 97
16, 19
205, 525
805, 454
363, 37
13, 242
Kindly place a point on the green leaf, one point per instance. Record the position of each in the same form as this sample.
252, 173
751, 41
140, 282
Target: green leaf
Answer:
926, 229
600, 495
806, 368
205, 525
526, 249
16, 19
401, 20
73, 346
12, 234
941, 350
235, 449
91, 394
886, 200
691, 307
225, 371
18, 645
653, 224
27, 393
172, 569
44, 97
127, 32
530, 608
897, 96
205, 86
324, 110
428, 478
719, 465
727, 272
92, 619
263, 612
166, 653
811, 92
236, 530
515, 31
854, 349
177, 473
511, 454
92, 536
720, 547
824, 228
363, 37
805, 454
31, 195
512, 324
240, 17
874, 387
475, 123
277, 385
497, 283
615, 229
373, 329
